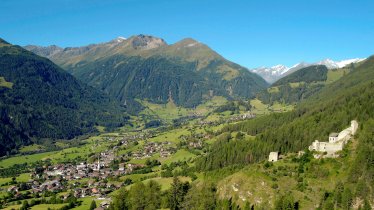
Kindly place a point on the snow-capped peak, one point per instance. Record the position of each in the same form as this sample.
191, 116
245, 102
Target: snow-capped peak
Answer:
344, 63
120, 39
330, 64
271, 74
279, 69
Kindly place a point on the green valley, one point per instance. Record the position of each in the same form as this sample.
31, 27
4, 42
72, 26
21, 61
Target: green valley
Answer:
269, 107
219, 149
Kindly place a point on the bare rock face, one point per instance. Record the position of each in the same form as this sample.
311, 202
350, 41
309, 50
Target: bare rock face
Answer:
144, 42
44, 51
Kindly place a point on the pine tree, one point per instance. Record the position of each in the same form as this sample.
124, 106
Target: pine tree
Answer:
93, 205
286, 202
24, 206
177, 193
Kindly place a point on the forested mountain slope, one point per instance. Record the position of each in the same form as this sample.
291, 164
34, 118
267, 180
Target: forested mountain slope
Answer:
302, 84
336, 183
40, 100
145, 67
331, 110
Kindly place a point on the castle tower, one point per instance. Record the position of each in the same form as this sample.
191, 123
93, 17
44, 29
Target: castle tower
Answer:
354, 126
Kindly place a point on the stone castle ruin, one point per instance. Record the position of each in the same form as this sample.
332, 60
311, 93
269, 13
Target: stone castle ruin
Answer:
336, 142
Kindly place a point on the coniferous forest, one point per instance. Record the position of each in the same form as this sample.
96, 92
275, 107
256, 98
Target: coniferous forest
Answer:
46, 102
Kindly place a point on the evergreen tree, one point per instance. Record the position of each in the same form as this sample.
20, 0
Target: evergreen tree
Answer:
137, 196
25, 205
93, 205
120, 200
152, 195
286, 202
200, 197
176, 193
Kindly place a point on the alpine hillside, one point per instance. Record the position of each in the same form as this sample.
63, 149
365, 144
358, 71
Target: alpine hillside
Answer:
142, 67
303, 83
39, 100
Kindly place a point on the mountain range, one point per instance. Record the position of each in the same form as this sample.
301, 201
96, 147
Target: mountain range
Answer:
40, 101
144, 67
274, 73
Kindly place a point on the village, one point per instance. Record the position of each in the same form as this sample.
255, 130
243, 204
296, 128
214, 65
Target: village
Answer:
97, 178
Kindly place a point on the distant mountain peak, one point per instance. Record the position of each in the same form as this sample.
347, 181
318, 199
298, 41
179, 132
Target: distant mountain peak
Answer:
3, 42
329, 63
272, 74
146, 42
119, 39
269, 73
187, 42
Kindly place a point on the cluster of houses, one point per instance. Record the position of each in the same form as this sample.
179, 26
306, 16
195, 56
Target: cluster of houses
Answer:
151, 148
245, 116
195, 140
55, 179
125, 140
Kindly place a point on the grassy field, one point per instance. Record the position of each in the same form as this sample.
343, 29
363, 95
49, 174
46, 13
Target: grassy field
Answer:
210, 105
137, 177
93, 144
21, 178
166, 112
278, 107
86, 203
31, 148
259, 107
170, 111
46, 206
333, 75
4, 83
170, 136
12, 207
25, 159
180, 155
273, 90
165, 182
101, 129
296, 84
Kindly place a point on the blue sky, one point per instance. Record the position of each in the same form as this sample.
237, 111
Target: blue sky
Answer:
250, 32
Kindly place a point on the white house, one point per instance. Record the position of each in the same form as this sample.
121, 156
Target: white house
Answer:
273, 156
